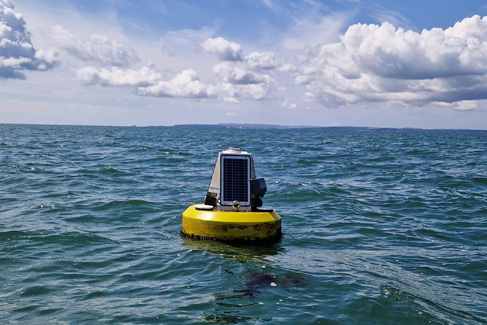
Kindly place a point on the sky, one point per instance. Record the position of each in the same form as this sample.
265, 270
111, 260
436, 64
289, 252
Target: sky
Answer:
377, 63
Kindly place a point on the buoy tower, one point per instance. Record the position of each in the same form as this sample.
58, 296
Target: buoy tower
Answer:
233, 209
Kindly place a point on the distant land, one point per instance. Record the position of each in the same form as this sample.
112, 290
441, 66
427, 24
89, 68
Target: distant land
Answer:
288, 127
243, 126
271, 127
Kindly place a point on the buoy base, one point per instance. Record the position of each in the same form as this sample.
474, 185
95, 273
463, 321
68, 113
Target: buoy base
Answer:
240, 226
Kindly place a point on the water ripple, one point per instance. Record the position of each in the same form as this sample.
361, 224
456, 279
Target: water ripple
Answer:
379, 227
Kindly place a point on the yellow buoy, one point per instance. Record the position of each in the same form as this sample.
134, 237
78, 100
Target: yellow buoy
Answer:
233, 205
231, 225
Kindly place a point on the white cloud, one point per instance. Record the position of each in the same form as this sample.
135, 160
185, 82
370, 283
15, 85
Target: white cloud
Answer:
288, 105
231, 73
186, 84
46, 59
146, 82
261, 60
464, 105
17, 53
95, 48
287, 67
241, 77
256, 91
388, 64
118, 77
224, 92
230, 93
225, 50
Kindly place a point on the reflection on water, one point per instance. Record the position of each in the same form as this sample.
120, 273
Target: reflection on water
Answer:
244, 253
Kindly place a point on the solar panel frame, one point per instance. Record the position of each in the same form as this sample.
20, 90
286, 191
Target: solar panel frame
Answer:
235, 179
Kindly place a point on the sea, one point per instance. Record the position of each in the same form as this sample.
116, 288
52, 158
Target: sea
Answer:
380, 226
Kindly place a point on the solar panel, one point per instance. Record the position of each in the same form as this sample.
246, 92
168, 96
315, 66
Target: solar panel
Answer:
235, 175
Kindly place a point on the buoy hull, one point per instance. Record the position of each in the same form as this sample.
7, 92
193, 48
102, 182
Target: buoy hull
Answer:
231, 226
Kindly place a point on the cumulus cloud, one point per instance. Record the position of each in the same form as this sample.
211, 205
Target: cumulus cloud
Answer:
17, 53
369, 63
288, 105
241, 76
225, 50
384, 63
96, 48
288, 67
146, 82
236, 75
231, 93
261, 60
185, 84
118, 77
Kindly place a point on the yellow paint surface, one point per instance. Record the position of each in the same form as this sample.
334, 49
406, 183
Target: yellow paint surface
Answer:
229, 225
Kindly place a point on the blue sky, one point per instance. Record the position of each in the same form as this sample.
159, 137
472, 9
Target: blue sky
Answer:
383, 63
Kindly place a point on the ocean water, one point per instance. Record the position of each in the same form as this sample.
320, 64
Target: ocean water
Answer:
380, 227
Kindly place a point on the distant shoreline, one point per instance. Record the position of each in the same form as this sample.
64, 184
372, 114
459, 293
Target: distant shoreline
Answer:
249, 126
289, 127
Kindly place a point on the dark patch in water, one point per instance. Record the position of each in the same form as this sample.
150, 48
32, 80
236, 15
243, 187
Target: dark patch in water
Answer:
258, 282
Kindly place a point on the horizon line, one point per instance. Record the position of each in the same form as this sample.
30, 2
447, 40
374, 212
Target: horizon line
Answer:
262, 126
